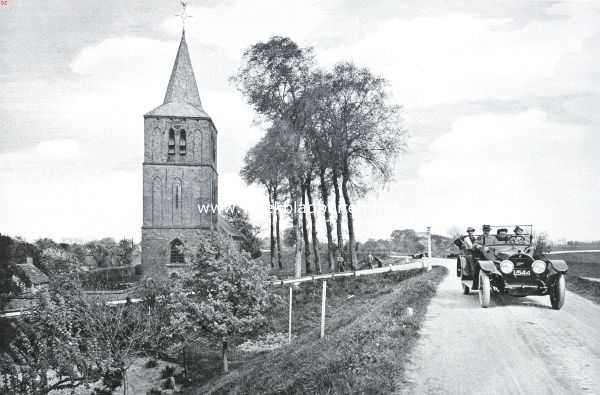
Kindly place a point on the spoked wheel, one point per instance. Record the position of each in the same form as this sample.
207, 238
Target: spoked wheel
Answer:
466, 290
557, 294
484, 289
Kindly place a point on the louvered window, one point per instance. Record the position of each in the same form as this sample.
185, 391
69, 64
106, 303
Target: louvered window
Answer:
182, 143
171, 142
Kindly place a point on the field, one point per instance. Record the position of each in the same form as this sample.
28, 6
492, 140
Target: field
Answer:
369, 332
585, 264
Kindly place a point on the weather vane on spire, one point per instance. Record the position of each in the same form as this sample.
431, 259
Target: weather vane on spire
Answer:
183, 15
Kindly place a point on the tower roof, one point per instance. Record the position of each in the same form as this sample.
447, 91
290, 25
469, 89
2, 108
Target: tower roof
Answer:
182, 98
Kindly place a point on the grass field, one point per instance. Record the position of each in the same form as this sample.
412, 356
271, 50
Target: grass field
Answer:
369, 334
585, 264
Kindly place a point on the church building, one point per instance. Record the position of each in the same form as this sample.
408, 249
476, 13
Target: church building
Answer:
179, 171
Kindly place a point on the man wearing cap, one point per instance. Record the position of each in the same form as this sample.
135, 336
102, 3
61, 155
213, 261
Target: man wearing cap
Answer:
486, 234
519, 236
479, 252
502, 234
466, 242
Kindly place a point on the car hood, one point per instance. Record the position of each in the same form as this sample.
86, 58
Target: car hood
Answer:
507, 251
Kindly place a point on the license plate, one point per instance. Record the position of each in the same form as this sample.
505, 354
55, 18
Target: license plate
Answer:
522, 273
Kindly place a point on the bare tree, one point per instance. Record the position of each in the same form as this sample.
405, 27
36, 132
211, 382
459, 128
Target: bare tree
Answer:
120, 333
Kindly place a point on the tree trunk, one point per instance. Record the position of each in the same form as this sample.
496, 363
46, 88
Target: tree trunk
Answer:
328, 227
305, 229
124, 375
352, 255
313, 226
295, 192
272, 230
336, 190
278, 232
225, 362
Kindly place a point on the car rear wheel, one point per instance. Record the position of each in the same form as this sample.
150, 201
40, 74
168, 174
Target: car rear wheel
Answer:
466, 290
484, 289
557, 294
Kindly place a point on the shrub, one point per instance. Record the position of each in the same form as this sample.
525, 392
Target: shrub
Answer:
167, 372
154, 391
112, 378
151, 364
102, 391
168, 384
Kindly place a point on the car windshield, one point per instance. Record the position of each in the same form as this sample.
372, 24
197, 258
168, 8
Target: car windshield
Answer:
509, 241
499, 238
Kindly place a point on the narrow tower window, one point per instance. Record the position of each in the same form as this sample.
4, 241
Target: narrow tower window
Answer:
182, 143
213, 141
171, 142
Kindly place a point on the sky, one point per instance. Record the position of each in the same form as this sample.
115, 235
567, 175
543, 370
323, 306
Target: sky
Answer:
500, 99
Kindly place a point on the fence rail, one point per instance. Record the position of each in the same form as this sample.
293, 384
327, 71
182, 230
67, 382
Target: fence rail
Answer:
355, 273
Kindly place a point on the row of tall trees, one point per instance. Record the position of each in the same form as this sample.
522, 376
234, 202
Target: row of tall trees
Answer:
327, 130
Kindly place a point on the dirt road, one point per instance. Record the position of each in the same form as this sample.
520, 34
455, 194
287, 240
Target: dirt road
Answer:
516, 346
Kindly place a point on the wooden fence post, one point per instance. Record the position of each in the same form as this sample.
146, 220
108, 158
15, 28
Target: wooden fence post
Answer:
290, 319
323, 305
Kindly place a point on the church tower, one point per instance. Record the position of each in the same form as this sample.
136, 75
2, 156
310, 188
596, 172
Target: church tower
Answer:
179, 170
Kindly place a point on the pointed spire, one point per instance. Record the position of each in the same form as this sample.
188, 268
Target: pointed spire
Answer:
182, 86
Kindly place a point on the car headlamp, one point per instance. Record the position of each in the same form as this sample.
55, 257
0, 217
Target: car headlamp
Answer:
538, 266
506, 266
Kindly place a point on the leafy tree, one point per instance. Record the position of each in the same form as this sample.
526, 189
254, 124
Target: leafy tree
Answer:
365, 132
51, 337
227, 293
262, 166
541, 245
240, 220
275, 79
289, 237
7, 269
124, 252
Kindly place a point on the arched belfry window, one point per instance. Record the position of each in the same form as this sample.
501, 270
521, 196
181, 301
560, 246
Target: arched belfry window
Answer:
177, 254
171, 142
182, 142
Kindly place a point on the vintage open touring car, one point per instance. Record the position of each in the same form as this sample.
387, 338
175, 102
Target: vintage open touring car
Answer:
504, 263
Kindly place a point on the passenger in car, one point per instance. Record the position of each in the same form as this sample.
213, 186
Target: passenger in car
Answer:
486, 237
502, 234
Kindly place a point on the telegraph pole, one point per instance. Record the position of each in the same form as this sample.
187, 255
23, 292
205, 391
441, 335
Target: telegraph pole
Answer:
428, 248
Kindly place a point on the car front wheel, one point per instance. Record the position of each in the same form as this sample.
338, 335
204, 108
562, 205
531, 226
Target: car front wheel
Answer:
557, 294
484, 289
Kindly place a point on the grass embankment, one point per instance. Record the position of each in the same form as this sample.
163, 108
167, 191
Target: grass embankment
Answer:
584, 264
368, 337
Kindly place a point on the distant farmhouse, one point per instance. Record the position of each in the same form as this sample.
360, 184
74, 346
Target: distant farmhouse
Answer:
179, 171
29, 278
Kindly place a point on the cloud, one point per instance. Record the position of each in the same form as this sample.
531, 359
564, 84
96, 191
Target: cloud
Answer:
513, 167
456, 58
46, 153
235, 26
56, 189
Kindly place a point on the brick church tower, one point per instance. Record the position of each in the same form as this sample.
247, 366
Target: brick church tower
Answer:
179, 170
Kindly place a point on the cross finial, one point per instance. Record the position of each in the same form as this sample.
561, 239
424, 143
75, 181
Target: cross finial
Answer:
183, 15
